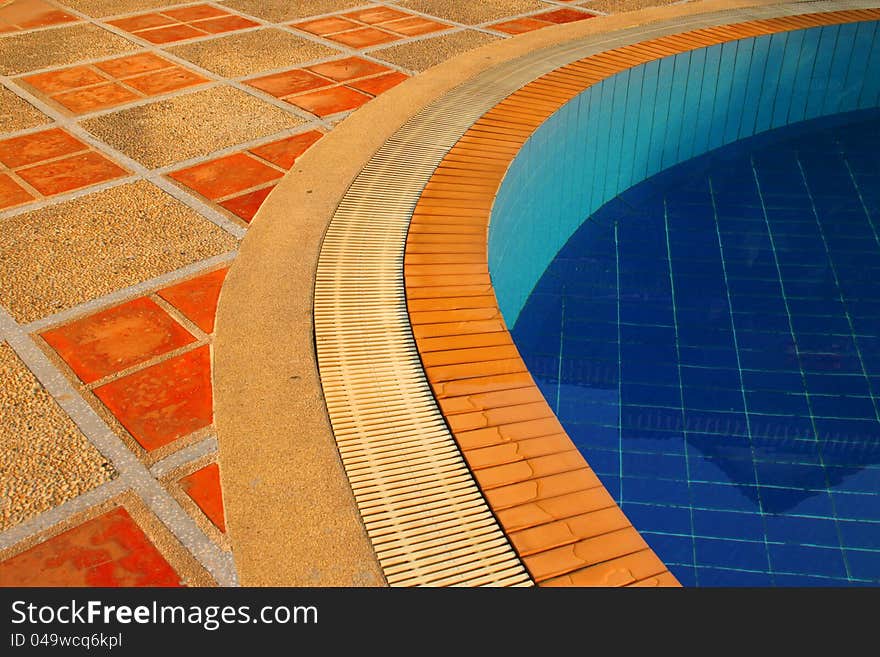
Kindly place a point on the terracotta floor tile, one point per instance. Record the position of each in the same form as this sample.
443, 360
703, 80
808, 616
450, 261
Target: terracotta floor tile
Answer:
71, 173
519, 25
415, 26
364, 37
564, 16
194, 13
377, 85
110, 550
133, 65
70, 78
288, 82
94, 98
225, 24
284, 152
203, 486
177, 32
115, 339
245, 206
38, 146
329, 101
375, 15
166, 80
56, 17
324, 26
197, 298
163, 402
11, 193
349, 68
142, 22
226, 175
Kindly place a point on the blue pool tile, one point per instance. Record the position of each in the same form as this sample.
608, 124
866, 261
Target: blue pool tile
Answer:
859, 533
658, 518
807, 560
791, 529
864, 564
730, 525
721, 577
747, 555
725, 498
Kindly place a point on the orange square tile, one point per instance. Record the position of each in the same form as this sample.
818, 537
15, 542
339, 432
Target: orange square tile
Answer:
377, 85
564, 16
161, 82
94, 98
519, 25
110, 550
364, 37
194, 13
226, 175
349, 68
115, 339
197, 298
56, 17
225, 24
71, 173
164, 402
177, 32
203, 486
70, 78
133, 65
375, 15
11, 193
38, 146
329, 101
414, 26
245, 206
324, 26
284, 152
141, 22
288, 82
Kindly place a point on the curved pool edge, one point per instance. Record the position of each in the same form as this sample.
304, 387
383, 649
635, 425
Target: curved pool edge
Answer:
290, 509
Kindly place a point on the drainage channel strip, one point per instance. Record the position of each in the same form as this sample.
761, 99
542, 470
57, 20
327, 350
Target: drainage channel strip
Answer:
425, 515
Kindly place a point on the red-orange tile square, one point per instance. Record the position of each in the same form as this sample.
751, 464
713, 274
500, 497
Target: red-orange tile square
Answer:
38, 146
349, 68
414, 26
564, 16
164, 402
115, 339
194, 13
110, 550
177, 32
379, 84
375, 15
141, 22
203, 486
48, 18
288, 82
324, 26
161, 82
226, 175
225, 24
519, 25
245, 206
71, 173
329, 101
11, 193
133, 65
70, 78
94, 98
197, 298
364, 37
284, 152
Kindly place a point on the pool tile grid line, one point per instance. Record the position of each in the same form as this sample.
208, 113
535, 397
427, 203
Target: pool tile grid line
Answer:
432, 221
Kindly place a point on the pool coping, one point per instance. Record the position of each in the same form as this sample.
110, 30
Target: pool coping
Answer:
290, 511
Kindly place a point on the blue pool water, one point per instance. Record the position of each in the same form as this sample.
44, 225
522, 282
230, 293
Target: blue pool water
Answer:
710, 339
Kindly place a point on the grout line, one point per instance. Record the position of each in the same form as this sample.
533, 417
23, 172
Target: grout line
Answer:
135, 473
184, 456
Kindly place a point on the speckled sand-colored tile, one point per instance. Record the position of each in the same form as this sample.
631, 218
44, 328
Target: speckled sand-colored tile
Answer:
473, 13
252, 52
65, 254
168, 131
44, 458
99, 8
61, 46
18, 114
280, 11
423, 54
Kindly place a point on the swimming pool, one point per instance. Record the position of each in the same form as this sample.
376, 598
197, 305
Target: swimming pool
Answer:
687, 254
